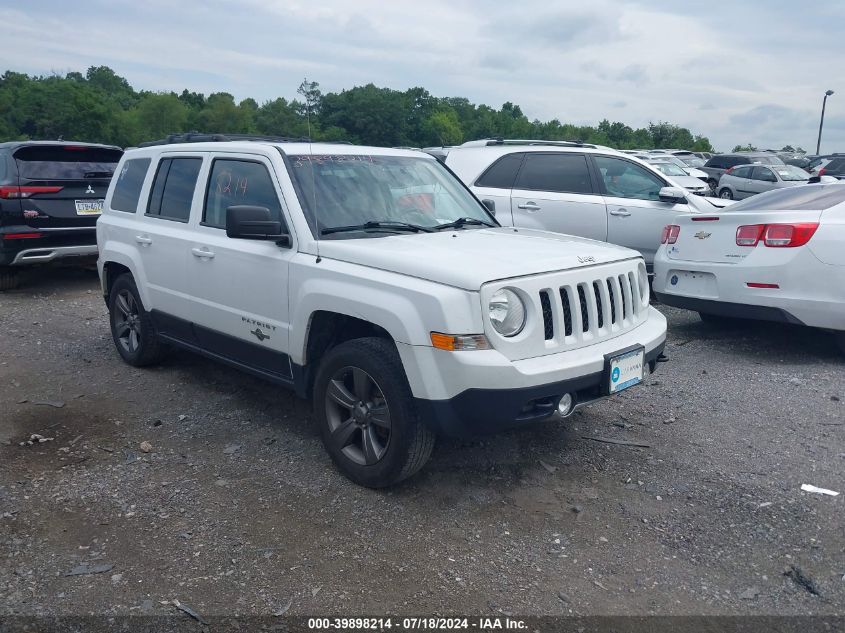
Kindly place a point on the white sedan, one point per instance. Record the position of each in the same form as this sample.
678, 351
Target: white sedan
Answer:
778, 256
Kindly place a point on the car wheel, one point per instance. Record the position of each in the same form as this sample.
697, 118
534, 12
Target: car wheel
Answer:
726, 194
9, 278
131, 326
712, 184
366, 414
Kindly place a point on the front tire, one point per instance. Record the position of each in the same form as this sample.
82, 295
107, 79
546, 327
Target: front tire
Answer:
366, 414
726, 194
131, 326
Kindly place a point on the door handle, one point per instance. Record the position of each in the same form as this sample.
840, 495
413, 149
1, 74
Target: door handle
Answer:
202, 253
528, 206
143, 239
623, 212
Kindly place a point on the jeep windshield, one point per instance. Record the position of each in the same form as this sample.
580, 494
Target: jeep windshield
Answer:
362, 195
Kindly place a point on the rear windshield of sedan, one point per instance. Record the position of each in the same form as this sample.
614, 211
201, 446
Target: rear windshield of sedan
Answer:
809, 198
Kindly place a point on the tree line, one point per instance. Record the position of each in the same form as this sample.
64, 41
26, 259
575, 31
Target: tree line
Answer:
101, 106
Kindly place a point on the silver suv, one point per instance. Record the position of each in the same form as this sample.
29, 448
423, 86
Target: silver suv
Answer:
575, 188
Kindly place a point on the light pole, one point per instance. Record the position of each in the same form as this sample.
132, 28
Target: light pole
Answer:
821, 123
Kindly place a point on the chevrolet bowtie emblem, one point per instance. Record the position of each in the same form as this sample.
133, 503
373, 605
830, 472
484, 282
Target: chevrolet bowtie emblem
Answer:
261, 336
702, 235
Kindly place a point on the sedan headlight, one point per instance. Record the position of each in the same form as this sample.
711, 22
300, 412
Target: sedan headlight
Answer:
507, 312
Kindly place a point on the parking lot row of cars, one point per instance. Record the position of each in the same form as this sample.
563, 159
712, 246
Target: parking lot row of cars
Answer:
406, 300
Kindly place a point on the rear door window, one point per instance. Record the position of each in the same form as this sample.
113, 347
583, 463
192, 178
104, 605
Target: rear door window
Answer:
502, 173
742, 172
66, 162
238, 182
173, 188
559, 172
127, 188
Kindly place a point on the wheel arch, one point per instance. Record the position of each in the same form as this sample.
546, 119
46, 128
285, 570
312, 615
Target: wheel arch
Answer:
327, 329
117, 260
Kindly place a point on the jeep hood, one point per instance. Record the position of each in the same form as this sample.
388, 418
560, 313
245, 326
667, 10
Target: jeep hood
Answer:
469, 258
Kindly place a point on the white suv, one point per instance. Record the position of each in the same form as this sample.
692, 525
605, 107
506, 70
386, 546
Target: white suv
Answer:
371, 281
575, 188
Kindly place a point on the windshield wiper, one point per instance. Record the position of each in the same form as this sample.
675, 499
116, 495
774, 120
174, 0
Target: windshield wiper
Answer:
378, 224
463, 222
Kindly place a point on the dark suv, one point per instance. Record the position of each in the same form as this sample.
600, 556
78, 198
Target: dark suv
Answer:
51, 194
720, 163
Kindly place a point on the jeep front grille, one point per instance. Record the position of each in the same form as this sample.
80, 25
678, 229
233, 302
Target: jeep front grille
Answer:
598, 307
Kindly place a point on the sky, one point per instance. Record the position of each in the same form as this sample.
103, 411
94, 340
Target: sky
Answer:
740, 72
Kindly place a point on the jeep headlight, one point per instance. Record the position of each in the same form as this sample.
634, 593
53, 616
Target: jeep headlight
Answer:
642, 280
507, 312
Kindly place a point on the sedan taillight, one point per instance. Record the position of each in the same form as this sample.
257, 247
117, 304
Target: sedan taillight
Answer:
776, 235
670, 234
789, 235
749, 234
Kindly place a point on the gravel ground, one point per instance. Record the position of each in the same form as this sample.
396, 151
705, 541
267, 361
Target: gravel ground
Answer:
236, 508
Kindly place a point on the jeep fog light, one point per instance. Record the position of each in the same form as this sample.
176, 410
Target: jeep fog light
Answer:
564, 407
507, 312
458, 343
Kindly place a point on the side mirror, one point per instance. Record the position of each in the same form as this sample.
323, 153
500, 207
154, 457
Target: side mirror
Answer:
491, 206
672, 194
254, 223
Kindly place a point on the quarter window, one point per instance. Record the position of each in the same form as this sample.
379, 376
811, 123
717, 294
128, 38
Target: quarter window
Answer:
560, 172
173, 188
502, 173
127, 189
624, 179
237, 182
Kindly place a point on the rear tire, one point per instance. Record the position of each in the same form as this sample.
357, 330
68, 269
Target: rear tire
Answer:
726, 194
366, 414
9, 278
712, 184
131, 325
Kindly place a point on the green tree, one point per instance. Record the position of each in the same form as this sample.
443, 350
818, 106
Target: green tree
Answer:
160, 114
100, 105
441, 128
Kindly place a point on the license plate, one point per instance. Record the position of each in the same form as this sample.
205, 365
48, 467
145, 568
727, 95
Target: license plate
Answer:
89, 207
626, 370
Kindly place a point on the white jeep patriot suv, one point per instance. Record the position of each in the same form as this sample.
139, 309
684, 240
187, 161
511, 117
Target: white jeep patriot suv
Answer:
371, 281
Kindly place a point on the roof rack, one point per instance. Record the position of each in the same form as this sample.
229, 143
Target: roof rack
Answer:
502, 141
204, 137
